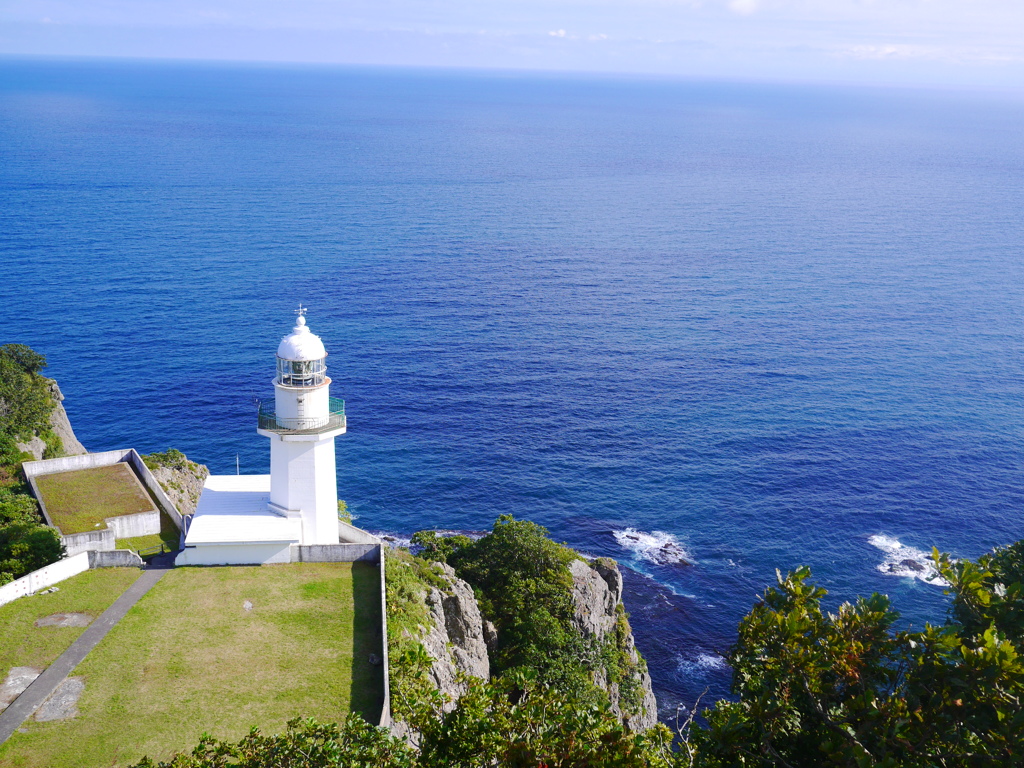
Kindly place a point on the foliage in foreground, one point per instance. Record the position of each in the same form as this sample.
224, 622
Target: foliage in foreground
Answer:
812, 689
846, 689
25, 407
492, 724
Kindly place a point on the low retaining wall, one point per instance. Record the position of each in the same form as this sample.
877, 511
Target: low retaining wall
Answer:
65, 569
120, 527
139, 524
385, 710
101, 541
118, 558
44, 577
335, 553
163, 501
349, 534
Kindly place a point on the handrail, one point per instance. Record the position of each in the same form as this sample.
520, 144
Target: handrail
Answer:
268, 420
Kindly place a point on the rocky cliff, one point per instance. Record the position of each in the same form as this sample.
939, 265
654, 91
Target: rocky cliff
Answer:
60, 426
181, 479
460, 640
600, 614
456, 638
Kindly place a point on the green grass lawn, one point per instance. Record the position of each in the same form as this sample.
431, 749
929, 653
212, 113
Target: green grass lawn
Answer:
169, 535
79, 501
24, 645
189, 658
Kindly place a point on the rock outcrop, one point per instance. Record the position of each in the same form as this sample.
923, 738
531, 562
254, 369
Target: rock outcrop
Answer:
182, 482
456, 639
60, 425
599, 613
460, 640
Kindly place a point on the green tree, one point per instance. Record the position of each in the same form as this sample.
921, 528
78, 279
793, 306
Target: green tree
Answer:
847, 689
18, 508
520, 723
439, 548
27, 547
524, 586
24, 357
25, 399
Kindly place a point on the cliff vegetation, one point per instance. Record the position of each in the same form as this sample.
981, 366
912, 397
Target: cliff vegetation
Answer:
27, 404
512, 606
181, 479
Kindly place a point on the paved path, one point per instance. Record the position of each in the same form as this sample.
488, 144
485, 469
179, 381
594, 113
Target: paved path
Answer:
29, 701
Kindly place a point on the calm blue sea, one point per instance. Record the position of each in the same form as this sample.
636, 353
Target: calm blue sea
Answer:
764, 325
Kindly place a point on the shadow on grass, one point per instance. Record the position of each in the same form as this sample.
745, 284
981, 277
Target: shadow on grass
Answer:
367, 679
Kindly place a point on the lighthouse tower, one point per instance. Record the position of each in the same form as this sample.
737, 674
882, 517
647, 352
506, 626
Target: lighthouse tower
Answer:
302, 427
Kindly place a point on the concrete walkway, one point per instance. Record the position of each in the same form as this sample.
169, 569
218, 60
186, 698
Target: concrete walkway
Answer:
44, 685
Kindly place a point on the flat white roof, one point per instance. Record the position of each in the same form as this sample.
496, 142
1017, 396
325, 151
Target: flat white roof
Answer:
233, 510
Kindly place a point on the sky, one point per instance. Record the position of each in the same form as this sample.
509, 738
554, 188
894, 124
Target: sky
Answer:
956, 43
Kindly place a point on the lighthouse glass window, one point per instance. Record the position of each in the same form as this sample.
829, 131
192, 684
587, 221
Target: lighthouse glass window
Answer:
301, 373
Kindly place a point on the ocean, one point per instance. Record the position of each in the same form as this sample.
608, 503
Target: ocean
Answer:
708, 329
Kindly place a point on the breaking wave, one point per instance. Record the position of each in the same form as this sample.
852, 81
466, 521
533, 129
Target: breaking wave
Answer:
702, 664
399, 540
656, 547
901, 560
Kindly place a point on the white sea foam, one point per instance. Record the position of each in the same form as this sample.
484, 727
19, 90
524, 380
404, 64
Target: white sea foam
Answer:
656, 547
901, 560
701, 665
393, 540
399, 540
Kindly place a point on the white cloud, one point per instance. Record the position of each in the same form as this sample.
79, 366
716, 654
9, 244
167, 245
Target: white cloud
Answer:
744, 7
905, 52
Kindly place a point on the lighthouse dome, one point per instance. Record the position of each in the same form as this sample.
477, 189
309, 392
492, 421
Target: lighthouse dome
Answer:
301, 344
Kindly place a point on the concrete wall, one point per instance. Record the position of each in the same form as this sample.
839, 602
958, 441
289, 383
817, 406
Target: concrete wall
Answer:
118, 558
349, 534
65, 569
163, 501
33, 469
120, 527
335, 553
101, 541
129, 526
44, 577
69, 463
385, 711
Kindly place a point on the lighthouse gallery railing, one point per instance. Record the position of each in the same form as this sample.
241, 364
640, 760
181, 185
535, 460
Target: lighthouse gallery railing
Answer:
269, 421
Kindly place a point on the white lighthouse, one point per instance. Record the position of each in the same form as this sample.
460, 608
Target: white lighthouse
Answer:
290, 515
302, 427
